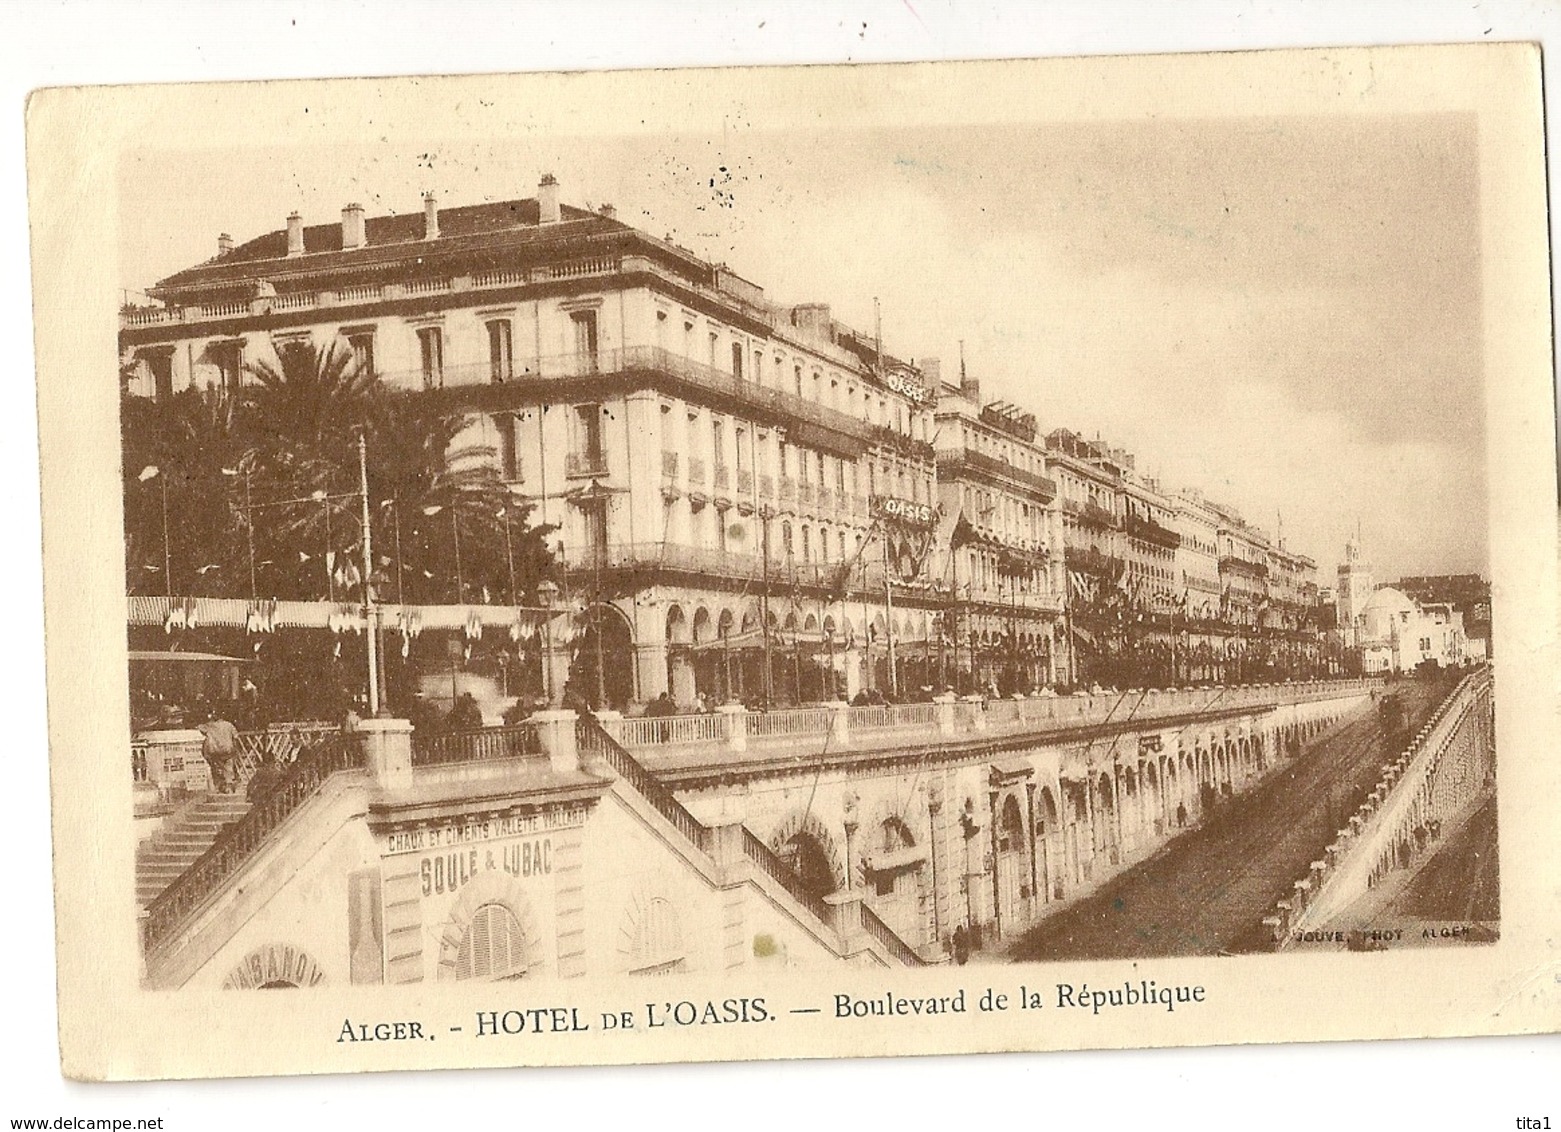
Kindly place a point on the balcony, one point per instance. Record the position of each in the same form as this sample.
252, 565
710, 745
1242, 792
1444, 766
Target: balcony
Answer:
766, 486
1091, 561
744, 481
886, 437
1152, 532
723, 478
669, 464
788, 490
810, 424
806, 494
582, 465
652, 557
696, 471
1241, 567
826, 499
967, 462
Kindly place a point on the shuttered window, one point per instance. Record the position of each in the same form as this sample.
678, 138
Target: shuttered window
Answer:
494, 946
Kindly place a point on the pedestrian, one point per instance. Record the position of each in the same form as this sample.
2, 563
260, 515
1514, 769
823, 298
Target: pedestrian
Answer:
219, 746
264, 780
660, 708
465, 715
961, 943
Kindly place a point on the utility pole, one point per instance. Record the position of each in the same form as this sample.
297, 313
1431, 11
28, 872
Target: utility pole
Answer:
764, 604
370, 610
888, 601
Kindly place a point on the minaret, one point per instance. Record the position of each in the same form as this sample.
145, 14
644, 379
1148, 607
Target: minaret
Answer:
1354, 590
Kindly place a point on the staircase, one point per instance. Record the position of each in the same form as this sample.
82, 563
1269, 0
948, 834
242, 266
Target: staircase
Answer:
189, 832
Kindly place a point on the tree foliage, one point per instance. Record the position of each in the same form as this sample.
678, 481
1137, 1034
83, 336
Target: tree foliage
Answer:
262, 493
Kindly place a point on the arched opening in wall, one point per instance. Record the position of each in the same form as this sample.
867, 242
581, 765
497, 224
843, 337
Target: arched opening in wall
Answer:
1048, 837
1078, 835
1154, 803
1106, 820
893, 874
1130, 799
806, 848
653, 938
1177, 814
682, 680
493, 946
1013, 867
602, 671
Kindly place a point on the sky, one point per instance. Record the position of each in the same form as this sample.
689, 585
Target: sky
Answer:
1281, 312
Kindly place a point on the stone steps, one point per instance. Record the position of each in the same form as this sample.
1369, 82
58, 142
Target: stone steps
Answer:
163, 858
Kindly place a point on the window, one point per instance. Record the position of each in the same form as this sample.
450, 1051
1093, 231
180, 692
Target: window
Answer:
501, 355
585, 338
656, 947
586, 447
493, 947
229, 359
715, 343
797, 373
737, 360
430, 344
362, 346
159, 363
807, 544
741, 436
509, 450
718, 442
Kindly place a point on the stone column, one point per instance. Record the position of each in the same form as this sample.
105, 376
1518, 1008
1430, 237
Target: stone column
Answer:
387, 750
736, 725
839, 723
845, 917
556, 734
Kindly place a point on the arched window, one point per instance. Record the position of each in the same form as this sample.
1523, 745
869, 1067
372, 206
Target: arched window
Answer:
494, 946
657, 946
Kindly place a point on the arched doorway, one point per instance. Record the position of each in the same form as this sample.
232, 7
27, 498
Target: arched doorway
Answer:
1048, 840
892, 871
809, 851
681, 679
1013, 868
602, 671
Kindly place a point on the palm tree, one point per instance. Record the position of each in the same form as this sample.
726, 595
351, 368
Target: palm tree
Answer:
311, 400
181, 447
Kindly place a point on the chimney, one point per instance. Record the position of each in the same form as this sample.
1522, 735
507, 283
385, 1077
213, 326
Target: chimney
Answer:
932, 373
609, 211
352, 226
547, 199
224, 244
295, 234
430, 216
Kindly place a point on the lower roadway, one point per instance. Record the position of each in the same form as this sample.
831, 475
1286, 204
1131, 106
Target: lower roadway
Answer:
1461, 880
1208, 890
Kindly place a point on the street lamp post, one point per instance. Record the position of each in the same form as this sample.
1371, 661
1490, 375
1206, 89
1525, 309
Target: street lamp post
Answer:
547, 590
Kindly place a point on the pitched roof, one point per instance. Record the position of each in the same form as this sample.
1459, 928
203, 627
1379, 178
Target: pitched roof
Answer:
387, 238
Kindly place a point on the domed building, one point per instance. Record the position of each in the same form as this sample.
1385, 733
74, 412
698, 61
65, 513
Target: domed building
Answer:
1397, 634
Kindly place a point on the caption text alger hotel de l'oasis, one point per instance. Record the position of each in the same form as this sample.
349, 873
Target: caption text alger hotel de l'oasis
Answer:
856, 641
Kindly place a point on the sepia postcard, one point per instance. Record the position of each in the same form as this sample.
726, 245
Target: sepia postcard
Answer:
798, 562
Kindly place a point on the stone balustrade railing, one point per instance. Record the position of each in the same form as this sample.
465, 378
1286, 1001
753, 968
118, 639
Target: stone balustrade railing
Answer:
1441, 770
738, 729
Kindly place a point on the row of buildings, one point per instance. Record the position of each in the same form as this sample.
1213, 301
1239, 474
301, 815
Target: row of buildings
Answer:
752, 499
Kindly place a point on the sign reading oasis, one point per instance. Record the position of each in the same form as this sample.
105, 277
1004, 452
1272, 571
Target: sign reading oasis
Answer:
905, 511
906, 386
